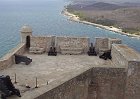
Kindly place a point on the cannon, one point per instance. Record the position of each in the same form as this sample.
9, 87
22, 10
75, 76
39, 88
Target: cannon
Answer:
92, 51
52, 51
106, 55
20, 58
7, 88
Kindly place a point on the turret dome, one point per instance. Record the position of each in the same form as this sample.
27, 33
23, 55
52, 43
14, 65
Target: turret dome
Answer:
26, 29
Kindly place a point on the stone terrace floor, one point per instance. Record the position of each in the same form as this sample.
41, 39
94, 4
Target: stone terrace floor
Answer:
49, 69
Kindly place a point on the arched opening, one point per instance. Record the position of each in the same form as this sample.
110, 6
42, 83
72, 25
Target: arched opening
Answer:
28, 42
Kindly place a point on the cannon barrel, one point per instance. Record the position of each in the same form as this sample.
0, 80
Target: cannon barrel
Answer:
92, 51
20, 58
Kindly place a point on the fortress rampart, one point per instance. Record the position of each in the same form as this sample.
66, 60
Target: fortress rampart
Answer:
95, 83
117, 80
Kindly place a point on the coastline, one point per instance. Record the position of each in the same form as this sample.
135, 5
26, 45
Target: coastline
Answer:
75, 18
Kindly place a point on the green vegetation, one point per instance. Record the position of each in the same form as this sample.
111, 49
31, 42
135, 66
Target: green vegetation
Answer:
132, 30
82, 16
106, 22
69, 8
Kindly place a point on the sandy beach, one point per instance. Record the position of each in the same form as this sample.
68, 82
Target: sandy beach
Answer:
75, 18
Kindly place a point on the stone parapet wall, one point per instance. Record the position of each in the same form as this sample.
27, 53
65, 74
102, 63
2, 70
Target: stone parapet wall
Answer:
75, 88
122, 54
95, 83
103, 44
5, 63
72, 43
8, 59
114, 41
117, 58
41, 42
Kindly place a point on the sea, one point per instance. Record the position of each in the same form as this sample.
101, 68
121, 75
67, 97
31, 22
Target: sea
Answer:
45, 18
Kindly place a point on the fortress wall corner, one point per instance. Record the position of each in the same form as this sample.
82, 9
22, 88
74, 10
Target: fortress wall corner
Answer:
107, 83
75, 88
128, 57
9, 58
132, 90
117, 57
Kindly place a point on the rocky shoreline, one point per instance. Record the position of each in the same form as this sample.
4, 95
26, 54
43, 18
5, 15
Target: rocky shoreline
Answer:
75, 18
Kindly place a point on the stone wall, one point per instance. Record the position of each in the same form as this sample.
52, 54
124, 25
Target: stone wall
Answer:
75, 88
101, 44
107, 83
132, 90
117, 57
41, 42
114, 41
96, 83
8, 59
104, 44
123, 55
72, 45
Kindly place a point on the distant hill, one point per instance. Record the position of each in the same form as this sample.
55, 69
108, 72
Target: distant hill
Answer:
84, 2
128, 4
108, 1
125, 15
102, 6
96, 6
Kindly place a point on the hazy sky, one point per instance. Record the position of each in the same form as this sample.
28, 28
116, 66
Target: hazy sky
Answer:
79, 0
134, 1
120, 0
27, 2
23, 2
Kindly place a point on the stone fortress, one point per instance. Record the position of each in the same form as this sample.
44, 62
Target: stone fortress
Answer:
72, 74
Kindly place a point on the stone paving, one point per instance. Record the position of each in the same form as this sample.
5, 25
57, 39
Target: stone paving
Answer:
49, 69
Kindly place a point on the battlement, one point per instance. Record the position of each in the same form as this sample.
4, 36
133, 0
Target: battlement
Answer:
72, 74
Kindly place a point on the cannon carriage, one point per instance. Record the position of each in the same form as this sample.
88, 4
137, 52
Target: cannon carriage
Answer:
7, 88
106, 55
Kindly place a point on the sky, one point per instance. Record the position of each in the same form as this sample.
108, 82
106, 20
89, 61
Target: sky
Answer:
119, 1
81, 0
37, 2
23, 2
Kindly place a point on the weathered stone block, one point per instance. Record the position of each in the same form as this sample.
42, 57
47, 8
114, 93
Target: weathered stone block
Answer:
72, 45
40, 44
101, 44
